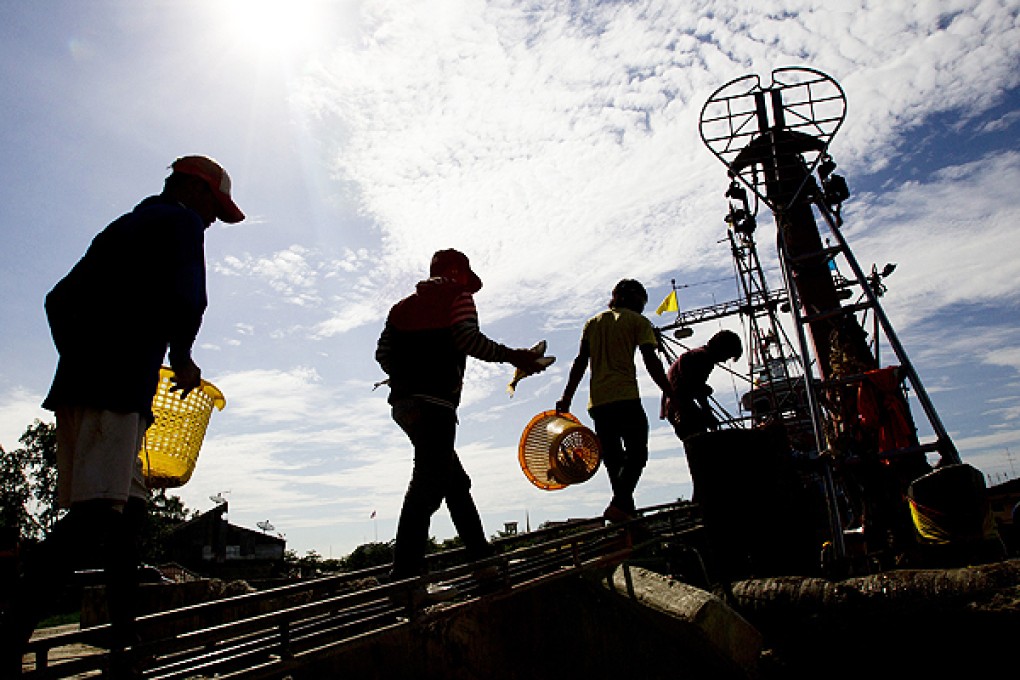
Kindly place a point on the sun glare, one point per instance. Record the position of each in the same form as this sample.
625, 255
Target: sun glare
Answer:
277, 27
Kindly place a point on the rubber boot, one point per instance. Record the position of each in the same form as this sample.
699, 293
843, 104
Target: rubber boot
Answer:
48, 567
123, 560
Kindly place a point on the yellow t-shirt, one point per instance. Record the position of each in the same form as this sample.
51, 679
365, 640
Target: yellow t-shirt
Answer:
612, 338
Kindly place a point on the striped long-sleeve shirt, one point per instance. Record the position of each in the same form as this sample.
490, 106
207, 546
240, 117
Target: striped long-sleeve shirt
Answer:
427, 339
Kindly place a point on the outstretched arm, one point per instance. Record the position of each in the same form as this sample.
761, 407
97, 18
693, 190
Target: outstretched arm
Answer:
468, 338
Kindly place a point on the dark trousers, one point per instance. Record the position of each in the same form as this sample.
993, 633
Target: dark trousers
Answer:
91, 534
689, 418
622, 429
437, 476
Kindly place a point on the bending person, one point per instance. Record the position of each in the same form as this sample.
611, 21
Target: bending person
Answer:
688, 409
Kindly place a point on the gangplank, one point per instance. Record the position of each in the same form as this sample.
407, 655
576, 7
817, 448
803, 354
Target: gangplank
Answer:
272, 633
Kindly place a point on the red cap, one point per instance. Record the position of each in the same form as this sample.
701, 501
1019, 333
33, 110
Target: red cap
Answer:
217, 179
445, 261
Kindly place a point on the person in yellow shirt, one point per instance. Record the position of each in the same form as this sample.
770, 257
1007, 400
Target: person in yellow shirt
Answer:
608, 344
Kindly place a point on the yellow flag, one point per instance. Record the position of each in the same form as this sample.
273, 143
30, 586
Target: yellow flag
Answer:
669, 304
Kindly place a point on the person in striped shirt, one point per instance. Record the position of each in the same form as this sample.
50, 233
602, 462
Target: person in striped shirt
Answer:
423, 349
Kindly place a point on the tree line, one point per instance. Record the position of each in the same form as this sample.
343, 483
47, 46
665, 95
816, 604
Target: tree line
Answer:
28, 496
29, 509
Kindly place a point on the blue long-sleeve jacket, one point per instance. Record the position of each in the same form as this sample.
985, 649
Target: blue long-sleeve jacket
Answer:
138, 291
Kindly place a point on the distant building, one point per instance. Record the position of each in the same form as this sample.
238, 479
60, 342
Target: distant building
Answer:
210, 545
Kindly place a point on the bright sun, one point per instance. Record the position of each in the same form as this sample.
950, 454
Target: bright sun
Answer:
277, 27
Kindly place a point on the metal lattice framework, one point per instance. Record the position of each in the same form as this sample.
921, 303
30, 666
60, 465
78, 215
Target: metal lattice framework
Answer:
808, 108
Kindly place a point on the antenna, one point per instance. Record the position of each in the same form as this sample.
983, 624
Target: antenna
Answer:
218, 499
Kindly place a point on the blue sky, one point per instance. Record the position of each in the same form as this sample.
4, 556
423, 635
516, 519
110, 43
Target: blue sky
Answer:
556, 143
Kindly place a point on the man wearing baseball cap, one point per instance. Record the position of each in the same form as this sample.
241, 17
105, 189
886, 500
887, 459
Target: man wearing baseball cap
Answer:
218, 182
135, 299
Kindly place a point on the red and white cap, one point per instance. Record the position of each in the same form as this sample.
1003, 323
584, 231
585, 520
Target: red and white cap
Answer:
217, 179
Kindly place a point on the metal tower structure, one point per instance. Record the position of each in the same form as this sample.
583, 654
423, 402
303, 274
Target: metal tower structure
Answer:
838, 403
774, 140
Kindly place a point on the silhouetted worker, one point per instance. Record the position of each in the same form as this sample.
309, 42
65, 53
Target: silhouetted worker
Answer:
423, 349
608, 343
138, 292
688, 410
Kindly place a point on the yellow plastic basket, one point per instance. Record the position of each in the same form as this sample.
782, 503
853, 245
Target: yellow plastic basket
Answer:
171, 445
556, 450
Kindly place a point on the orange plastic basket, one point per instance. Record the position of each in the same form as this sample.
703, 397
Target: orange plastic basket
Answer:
171, 445
556, 450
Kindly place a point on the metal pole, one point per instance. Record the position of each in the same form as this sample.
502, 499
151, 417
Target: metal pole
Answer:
829, 487
946, 447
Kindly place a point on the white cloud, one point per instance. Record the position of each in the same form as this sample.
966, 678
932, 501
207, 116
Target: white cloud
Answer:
530, 140
273, 396
287, 272
953, 237
557, 144
19, 408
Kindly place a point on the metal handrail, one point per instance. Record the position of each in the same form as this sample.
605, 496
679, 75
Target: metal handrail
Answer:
263, 643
